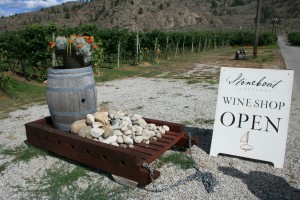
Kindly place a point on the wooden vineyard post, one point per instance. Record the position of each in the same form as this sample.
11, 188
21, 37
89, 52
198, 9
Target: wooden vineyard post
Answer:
119, 46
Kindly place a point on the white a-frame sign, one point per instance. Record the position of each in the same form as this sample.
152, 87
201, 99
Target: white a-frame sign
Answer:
252, 113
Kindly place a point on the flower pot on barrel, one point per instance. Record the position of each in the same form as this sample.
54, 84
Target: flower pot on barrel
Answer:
71, 89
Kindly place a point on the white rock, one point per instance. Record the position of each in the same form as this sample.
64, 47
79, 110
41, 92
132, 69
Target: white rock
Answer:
166, 128
117, 132
133, 129
127, 119
145, 130
158, 135
161, 130
96, 132
139, 133
90, 119
118, 115
146, 135
115, 127
131, 146
111, 116
120, 139
111, 113
151, 127
125, 123
135, 117
104, 141
128, 132
138, 139
139, 128
101, 139
146, 141
111, 139
115, 144
122, 113
152, 133
127, 140
142, 122
124, 128
124, 145
97, 125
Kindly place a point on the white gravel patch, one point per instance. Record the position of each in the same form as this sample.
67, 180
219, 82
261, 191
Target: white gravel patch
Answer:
175, 101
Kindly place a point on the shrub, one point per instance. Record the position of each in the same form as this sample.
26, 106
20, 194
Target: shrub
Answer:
241, 38
266, 38
294, 38
237, 3
5, 82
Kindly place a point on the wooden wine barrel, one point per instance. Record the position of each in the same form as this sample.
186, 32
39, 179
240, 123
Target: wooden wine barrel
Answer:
71, 95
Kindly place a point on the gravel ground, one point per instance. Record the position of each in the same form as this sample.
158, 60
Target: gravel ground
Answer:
170, 100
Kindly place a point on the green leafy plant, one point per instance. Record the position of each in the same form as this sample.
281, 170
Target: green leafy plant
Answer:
21, 153
180, 159
2, 167
59, 177
294, 38
5, 82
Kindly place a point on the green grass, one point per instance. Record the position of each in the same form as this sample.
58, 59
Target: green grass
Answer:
59, 182
179, 159
203, 121
105, 103
21, 153
186, 122
126, 71
2, 167
99, 192
112, 74
55, 179
23, 93
138, 108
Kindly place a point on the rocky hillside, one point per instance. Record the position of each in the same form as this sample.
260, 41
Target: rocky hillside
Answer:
164, 14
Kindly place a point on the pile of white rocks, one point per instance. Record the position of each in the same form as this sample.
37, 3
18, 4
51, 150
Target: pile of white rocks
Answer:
118, 128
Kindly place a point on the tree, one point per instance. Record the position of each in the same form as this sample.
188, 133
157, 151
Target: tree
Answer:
67, 15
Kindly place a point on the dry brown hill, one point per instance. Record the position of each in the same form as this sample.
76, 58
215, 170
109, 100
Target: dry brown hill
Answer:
164, 14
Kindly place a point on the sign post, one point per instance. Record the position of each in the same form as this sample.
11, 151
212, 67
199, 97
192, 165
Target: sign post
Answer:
252, 113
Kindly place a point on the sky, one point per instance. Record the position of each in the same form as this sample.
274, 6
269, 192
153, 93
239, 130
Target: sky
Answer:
12, 7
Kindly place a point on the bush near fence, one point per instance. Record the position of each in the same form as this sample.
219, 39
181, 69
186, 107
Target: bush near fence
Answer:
294, 38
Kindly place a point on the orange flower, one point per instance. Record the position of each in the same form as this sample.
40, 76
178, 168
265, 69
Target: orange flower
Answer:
86, 37
79, 45
91, 40
95, 46
52, 44
71, 41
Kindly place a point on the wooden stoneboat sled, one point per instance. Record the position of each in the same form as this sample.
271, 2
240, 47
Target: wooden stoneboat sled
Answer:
123, 162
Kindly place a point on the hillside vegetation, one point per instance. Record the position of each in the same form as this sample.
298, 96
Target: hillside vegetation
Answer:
145, 15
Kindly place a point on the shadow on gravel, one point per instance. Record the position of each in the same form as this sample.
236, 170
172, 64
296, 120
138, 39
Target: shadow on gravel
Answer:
263, 185
204, 137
